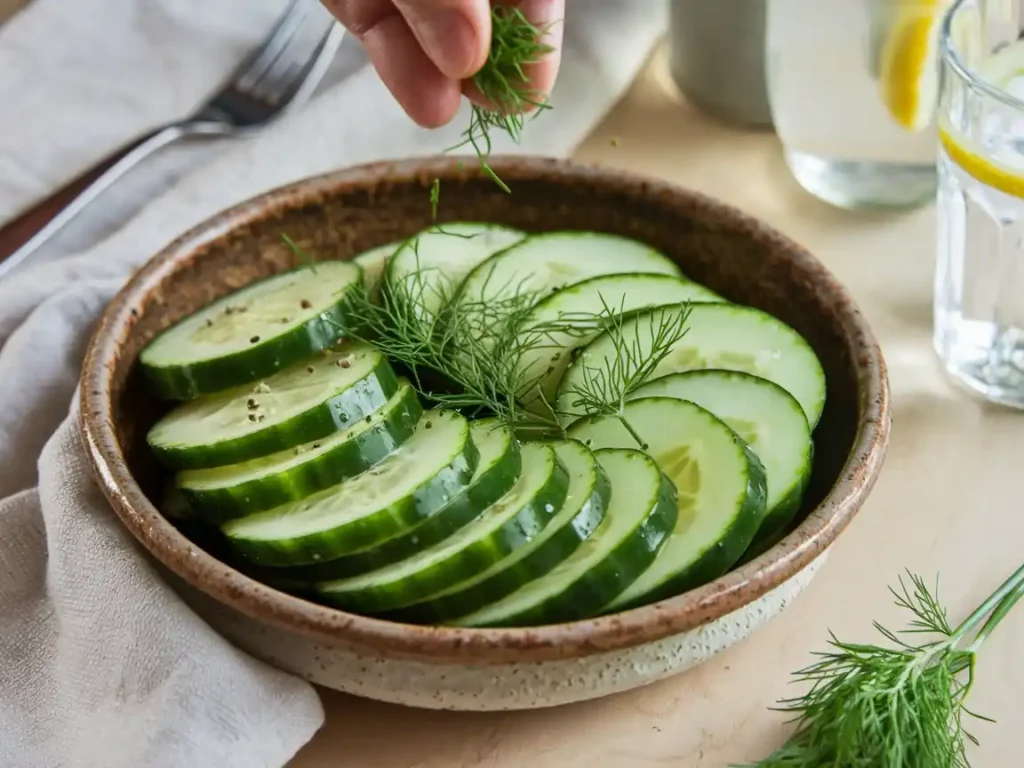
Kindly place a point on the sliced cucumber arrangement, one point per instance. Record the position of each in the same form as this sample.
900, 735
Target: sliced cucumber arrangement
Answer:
720, 484
252, 333
420, 477
581, 513
566, 318
639, 520
768, 419
721, 336
306, 402
390, 474
223, 493
546, 262
497, 470
511, 522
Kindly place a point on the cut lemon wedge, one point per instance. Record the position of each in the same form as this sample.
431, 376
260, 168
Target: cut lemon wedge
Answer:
908, 74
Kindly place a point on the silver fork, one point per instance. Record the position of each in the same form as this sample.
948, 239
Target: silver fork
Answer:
282, 73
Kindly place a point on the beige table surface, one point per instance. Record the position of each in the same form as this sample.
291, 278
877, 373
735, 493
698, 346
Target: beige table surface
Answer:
948, 500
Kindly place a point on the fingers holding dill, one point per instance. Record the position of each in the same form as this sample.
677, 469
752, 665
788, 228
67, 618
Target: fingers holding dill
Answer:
503, 91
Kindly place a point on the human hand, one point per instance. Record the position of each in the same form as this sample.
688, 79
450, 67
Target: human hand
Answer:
426, 51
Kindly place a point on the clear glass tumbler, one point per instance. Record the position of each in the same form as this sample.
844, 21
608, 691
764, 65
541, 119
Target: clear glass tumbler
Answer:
852, 86
979, 279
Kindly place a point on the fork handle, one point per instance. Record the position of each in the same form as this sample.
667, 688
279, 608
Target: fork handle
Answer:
22, 237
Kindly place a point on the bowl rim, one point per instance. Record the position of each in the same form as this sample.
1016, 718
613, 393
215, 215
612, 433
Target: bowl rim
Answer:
575, 639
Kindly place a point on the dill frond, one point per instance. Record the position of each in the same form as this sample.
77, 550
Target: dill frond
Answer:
901, 705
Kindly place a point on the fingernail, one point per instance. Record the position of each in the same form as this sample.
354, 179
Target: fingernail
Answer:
450, 41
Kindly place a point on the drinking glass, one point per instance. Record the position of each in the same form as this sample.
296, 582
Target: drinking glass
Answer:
979, 278
852, 86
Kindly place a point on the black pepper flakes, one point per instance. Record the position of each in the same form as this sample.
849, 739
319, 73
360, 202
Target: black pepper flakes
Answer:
315, 446
252, 403
310, 369
428, 425
254, 339
305, 304
252, 417
368, 419
260, 417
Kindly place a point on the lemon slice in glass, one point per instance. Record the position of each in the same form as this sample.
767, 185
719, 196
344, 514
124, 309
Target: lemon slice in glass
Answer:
908, 74
1000, 164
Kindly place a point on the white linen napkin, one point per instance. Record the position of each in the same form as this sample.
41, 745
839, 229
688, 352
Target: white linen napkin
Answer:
101, 663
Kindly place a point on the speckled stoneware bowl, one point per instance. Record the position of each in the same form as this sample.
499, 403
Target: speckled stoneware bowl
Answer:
338, 215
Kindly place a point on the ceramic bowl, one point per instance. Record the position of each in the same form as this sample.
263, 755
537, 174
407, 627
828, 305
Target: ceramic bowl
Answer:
341, 214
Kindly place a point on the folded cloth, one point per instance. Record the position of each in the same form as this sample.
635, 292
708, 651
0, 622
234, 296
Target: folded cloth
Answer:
101, 663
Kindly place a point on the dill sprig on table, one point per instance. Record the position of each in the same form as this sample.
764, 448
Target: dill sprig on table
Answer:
502, 81
895, 706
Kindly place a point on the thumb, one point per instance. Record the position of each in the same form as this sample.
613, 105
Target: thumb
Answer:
455, 34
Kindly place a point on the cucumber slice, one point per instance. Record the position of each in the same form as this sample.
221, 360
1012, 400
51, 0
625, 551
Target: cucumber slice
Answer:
510, 523
222, 493
442, 255
543, 366
768, 419
497, 470
547, 262
639, 519
374, 262
581, 513
252, 333
723, 336
422, 476
300, 404
720, 482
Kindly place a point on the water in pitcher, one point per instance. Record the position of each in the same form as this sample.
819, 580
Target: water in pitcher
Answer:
853, 86
979, 280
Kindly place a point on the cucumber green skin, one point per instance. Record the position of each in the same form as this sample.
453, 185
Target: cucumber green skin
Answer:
204, 377
594, 589
452, 605
475, 557
443, 523
776, 526
779, 518
721, 556
345, 460
384, 524
323, 419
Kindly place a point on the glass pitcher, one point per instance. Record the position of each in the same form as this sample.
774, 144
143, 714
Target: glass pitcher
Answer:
853, 86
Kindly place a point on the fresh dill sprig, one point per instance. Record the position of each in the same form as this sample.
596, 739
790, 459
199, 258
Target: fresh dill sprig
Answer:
895, 706
460, 354
502, 81
604, 389
301, 255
